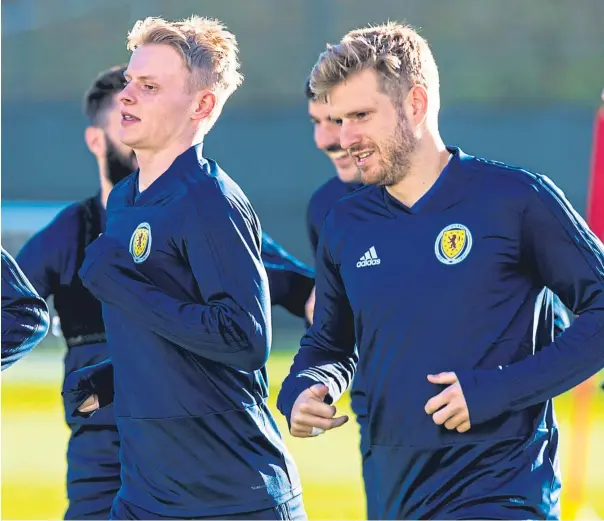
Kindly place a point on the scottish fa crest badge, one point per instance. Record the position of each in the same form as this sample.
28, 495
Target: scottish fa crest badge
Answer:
140, 243
453, 244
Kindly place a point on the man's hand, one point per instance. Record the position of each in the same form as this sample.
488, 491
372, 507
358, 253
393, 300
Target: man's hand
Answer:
309, 307
311, 415
449, 408
90, 404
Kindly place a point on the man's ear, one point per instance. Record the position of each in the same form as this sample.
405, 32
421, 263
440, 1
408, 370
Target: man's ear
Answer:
205, 105
418, 101
95, 140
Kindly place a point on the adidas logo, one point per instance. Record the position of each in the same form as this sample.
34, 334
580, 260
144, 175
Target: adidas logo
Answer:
369, 259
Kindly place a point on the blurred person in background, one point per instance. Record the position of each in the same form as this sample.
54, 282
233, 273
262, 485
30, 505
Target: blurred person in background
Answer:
326, 134
25, 317
439, 268
52, 258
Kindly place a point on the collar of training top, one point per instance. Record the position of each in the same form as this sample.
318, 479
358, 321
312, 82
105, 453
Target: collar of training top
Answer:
449, 189
190, 158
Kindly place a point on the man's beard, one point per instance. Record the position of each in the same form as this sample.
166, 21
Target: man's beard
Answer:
119, 165
395, 156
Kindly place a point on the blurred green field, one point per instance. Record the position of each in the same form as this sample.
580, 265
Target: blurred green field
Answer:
34, 440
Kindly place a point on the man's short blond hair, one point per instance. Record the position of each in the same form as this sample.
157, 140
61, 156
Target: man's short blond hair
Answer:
208, 49
401, 58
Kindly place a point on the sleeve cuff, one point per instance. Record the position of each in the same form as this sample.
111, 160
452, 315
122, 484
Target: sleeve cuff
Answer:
485, 398
76, 392
292, 388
